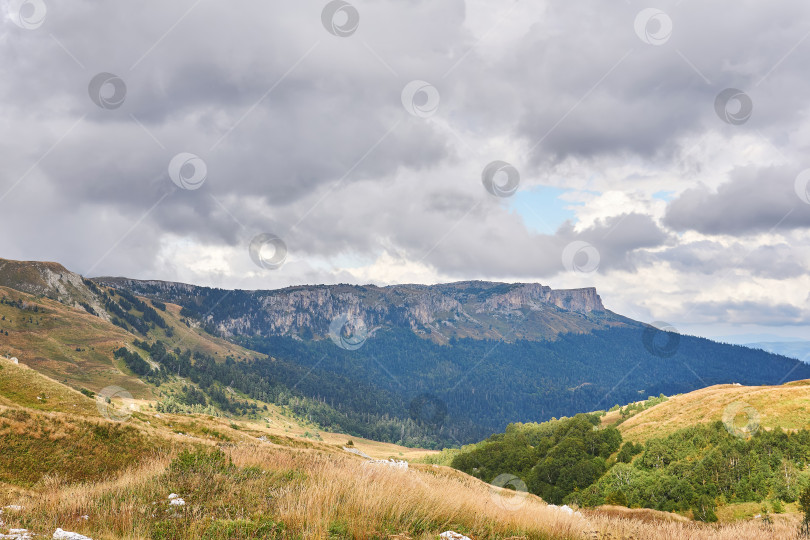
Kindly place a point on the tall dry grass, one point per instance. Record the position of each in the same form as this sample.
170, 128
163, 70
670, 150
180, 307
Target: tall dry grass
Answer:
318, 494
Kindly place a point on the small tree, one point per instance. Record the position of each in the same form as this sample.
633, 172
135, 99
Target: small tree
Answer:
703, 510
804, 506
617, 498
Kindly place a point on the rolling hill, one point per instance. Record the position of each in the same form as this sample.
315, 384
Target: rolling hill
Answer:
729, 450
417, 365
784, 406
67, 461
223, 419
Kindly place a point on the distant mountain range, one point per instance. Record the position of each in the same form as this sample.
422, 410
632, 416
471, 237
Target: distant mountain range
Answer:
799, 350
428, 365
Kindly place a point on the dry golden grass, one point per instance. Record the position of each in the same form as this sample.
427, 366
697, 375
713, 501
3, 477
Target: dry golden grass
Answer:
312, 493
75, 347
297, 486
618, 528
22, 386
787, 406
49, 344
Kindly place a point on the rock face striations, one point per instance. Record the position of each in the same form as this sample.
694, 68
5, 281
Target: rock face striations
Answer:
53, 281
474, 309
466, 309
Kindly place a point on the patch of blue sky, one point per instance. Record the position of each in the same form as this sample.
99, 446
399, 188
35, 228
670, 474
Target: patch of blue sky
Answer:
542, 208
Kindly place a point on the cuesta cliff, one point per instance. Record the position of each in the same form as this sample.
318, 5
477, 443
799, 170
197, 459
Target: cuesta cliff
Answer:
474, 309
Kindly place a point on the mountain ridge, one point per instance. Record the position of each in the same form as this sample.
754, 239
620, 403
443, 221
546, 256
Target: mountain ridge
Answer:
477, 309
423, 365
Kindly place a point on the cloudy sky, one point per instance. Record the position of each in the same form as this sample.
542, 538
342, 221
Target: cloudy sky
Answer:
653, 150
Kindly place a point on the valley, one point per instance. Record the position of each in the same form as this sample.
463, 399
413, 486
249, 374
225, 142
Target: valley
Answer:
105, 411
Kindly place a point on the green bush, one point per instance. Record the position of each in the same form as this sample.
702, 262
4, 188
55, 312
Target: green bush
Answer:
201, 460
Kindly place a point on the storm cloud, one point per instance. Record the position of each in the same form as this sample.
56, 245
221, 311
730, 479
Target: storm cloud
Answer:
363, 147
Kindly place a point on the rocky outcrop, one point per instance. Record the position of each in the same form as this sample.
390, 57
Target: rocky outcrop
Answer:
477, 309
53, 281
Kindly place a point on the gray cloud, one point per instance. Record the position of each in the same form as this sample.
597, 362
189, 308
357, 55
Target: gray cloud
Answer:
304, 134
754, 200
779, 261
747, 312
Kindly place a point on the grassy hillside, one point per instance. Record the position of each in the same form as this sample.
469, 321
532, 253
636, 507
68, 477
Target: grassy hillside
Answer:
254, 469
786, 406
23, 386
245, 480
73, 346
61, 459
63, 342
727, 452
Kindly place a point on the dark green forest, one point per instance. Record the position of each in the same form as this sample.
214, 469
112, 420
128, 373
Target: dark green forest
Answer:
698, 468
484, 385
400, 387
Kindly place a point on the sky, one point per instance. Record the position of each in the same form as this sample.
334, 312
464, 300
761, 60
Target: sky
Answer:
657, 151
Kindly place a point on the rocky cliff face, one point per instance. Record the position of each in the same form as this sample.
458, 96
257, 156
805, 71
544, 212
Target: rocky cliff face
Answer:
51, 280
476, 309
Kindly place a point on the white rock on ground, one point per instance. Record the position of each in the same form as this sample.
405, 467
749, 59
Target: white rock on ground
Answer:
17, 534
357, 452
65, 535
566, 509
177, 502
391, 463
174, 496
452, 535
13, 507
